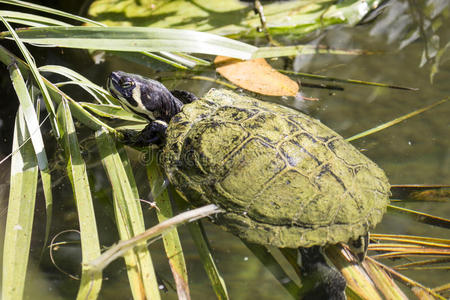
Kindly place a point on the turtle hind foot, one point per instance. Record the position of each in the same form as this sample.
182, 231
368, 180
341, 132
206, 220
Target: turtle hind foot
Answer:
321, 281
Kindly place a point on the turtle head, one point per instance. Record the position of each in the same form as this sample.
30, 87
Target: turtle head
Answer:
144, 96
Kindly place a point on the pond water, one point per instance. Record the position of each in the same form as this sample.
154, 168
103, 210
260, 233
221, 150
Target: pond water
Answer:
415, 151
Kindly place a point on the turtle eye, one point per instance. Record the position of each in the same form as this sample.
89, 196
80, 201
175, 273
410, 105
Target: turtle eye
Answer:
126, 83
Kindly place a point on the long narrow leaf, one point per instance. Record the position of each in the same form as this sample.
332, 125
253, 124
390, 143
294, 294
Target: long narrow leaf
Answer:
402, 278
171, 239
356, 277
269, 261
29, 19
36, 139
129, 218
30, 116
201, 243
82, 81
135, 39
82, 115
22, 195
49, 10
349, 81
114, 112
395, 121
421, 192
33, 69
122, 247
420, 216
152, 60
76, 169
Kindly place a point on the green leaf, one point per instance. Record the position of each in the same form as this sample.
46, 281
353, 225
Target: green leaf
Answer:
395, 121
129, 216
49, 10
30, 115
57, 95
36, 138
267, 258
19, 220
171, 239
420, 216
30, 19
76, 169
81, 81
135, 39
201, 243
35, 72
115, 112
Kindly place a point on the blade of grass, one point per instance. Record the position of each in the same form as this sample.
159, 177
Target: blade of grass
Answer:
357, 280
420, 192
171, 239
426, 262
350, 81
57, 95
400, 250
410, 238
395, 121
156, 61
405, 280
383, 280
269, 261
203, 78
82, 81
442, 288
129, 217
36, 138
30, 116
123, 246
135, 39
198, 61
114, 112
90, 281
36, 75
184, 61
38, 21
30, 19
22, 195
420, 216
203, 249
267, 52
49, 10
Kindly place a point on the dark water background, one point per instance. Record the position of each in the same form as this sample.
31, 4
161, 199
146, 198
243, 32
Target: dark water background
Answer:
413, 152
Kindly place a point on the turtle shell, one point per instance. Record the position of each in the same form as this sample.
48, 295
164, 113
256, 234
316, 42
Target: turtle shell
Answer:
282, 177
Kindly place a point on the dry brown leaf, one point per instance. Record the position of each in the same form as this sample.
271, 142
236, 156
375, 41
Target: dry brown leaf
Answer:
256, 75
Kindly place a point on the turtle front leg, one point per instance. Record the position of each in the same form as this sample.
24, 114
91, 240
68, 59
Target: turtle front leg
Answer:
322, 281
153, 134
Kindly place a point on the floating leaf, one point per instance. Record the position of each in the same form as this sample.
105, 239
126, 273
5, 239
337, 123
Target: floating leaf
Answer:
256, 75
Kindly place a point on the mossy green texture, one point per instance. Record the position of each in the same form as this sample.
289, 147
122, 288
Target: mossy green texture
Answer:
282, 177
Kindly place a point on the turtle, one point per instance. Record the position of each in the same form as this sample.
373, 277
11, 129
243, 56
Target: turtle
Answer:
281, 177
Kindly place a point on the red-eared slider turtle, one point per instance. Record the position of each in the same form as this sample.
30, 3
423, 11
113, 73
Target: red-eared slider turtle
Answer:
282, 177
